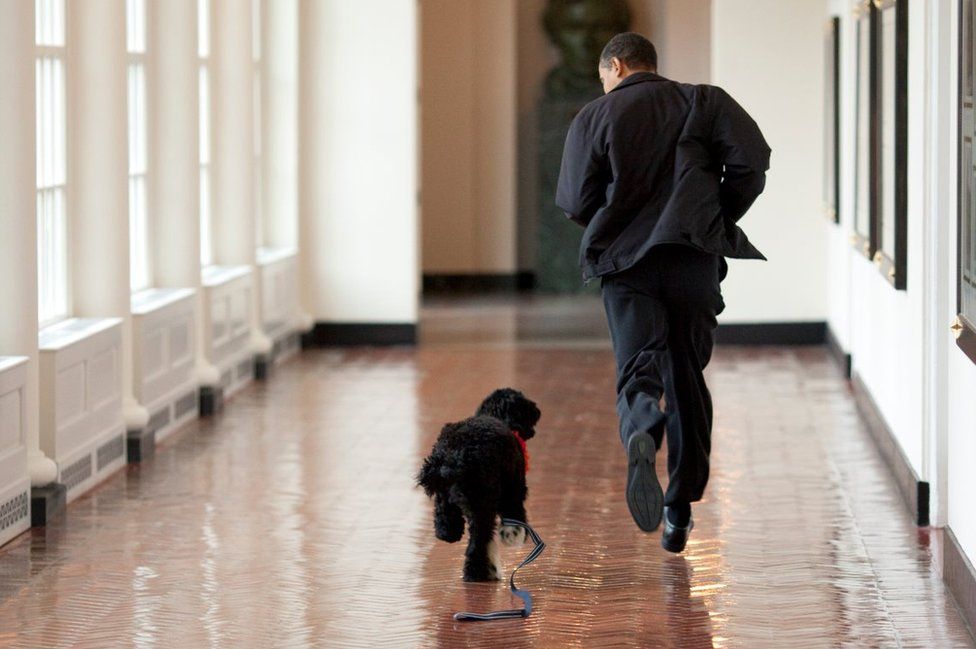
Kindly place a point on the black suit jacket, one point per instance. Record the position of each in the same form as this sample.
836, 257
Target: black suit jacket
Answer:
655, 162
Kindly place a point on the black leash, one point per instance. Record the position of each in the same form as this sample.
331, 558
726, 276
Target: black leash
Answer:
524, 595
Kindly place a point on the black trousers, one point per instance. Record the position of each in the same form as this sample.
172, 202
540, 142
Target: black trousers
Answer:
661, 314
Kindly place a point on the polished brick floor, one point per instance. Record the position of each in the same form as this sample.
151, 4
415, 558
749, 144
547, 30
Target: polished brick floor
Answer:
291, 520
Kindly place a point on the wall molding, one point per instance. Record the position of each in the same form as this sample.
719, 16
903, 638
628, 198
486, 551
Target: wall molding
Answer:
960, 577
915, 492
330, 334
448, 284
843, 358
772, 333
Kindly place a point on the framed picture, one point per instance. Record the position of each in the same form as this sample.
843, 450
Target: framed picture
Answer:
890, 134
964, 327
831, 150
862, 225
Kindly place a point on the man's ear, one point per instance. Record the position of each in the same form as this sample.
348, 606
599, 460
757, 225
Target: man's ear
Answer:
616, 66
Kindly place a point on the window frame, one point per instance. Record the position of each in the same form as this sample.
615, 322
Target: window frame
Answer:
205, 84
257, 78
140, 252
51, 168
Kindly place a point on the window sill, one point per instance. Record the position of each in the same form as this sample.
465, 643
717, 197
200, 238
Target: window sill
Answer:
72, 331
220, 275
10, 362
269, 256
965, 333
155, 299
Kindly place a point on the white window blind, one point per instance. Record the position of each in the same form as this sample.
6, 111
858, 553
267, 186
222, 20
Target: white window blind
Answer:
203, 51
139, 227
52, 215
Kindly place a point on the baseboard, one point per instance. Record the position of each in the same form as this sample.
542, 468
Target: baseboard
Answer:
435, 283
326, 334
915, 492
842, 358
960, 578
772, 333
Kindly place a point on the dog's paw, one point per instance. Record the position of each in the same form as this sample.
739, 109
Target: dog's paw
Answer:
512, 535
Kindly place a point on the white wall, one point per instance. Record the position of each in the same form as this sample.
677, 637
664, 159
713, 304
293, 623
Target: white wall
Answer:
775, 73
959, 439
882, 327
923, 384
358, 156
468, 95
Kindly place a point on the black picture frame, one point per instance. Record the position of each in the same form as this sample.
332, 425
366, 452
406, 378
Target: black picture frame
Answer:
831, 151
889, 168
964, 327
862, 219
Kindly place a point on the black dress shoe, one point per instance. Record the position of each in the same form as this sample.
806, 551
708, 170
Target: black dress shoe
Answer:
644, 495
674, 538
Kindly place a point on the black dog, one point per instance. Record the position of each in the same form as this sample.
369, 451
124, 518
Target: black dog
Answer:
475, 472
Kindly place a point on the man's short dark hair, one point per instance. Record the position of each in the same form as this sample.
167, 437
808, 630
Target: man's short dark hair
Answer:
632, 49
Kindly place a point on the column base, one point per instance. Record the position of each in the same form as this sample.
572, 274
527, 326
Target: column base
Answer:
140, 444
47, 503
263, 366
211, 400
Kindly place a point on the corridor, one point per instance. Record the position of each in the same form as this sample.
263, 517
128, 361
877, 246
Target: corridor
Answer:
290, 520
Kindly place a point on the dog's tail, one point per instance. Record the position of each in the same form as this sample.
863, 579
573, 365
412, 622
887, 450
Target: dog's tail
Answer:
433, 476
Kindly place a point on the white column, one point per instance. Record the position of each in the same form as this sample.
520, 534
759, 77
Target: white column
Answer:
233, 149
99, 167
359, 159
279, 73
279, 91
174, 155
18, 220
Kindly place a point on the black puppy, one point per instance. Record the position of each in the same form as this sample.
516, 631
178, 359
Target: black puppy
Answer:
476, 472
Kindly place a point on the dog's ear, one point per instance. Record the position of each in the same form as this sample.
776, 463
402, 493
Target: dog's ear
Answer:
514, 408
527, 415
429, 476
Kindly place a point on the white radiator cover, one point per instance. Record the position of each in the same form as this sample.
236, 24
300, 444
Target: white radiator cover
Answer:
14, 478
228, 294
164, 359
280, 307
82, 426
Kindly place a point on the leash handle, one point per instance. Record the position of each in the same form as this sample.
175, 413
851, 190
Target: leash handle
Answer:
524, 595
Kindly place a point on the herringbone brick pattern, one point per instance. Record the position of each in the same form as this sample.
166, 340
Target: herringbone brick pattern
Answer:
291, 521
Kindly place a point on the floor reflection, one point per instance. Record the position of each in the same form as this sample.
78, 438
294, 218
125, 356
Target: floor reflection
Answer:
291, 520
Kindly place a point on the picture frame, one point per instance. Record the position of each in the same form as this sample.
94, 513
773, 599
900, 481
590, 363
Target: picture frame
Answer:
964, 326
832, 104
862, 221
889, 167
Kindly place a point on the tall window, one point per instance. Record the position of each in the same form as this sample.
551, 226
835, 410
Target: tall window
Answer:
203, 51
52, 216
138, 136
256, 22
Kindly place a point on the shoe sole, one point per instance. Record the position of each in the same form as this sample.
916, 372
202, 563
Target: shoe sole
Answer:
644, 496
677, 549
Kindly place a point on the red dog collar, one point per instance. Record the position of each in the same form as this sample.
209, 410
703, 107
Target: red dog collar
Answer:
525, 450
